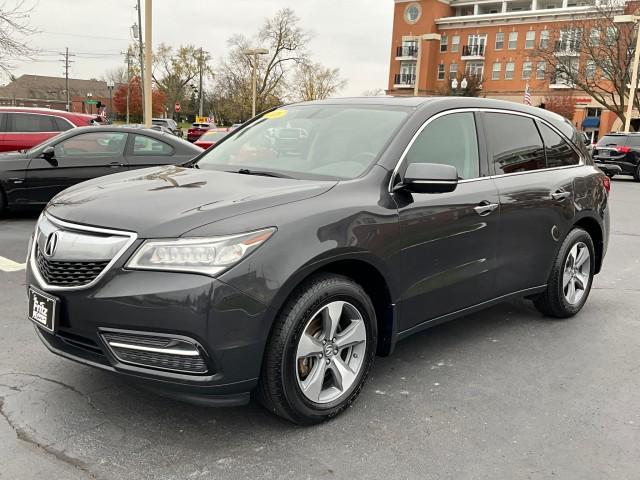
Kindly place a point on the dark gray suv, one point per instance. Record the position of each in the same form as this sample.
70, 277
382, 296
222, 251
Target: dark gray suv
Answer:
282, 264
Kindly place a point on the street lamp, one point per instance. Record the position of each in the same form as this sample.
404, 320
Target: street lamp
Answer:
90, 99
634, 75
254, 52
110, 85
463, 85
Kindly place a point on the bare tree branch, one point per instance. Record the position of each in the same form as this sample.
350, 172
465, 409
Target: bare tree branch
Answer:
14, 28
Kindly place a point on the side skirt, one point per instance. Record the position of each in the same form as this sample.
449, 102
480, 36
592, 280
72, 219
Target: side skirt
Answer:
465, 311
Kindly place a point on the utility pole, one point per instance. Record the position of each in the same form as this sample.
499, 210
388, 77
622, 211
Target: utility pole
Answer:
148, 107
201, 100
67, 63
141, 49
128, 60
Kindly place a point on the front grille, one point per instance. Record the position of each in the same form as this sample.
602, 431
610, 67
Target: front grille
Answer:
159, 351
68, 274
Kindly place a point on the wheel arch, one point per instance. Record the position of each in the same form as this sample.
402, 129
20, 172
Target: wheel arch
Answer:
593, 228
365, 271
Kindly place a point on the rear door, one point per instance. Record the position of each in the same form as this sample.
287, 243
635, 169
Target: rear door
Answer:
76, 159
536, 196
146, 151
26, 130
447, 240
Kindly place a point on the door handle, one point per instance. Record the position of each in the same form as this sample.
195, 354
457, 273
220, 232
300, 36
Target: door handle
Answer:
485, 208
116, 164
560, 195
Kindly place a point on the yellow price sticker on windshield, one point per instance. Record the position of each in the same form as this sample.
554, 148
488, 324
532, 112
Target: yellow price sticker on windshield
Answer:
275, 114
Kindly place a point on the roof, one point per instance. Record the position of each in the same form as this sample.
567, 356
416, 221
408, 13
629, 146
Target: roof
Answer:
49, 111
400, 101
52, 88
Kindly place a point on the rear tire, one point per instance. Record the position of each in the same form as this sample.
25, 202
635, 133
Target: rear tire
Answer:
636, 175
571, 277
320, 350
3, 202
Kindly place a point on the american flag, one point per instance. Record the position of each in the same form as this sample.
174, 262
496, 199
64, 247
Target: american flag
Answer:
527, 96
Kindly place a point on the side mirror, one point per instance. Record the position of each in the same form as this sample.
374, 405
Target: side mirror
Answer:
48, 154
429, 178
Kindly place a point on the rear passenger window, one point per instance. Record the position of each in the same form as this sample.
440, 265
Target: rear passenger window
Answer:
559, 152
143, 145
62, 125
633, 141
515, 143
449, 140
3, 120
31, 123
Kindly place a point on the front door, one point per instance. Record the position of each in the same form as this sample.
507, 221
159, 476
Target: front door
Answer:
76, 159
448, 239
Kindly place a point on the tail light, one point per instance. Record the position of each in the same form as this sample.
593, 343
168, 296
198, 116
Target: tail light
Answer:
606, 181
623, 149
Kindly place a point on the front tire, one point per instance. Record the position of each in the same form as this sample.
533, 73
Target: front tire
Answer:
571, 277
320, 350
636, 175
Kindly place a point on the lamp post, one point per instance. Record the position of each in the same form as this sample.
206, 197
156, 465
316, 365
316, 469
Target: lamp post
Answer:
463, 85
110, 85
90, 98
254, 52
634, 75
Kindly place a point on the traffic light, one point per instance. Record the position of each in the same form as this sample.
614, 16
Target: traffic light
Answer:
99, 104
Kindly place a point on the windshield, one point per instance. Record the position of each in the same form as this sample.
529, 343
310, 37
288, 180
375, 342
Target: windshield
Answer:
611, 140
309, 141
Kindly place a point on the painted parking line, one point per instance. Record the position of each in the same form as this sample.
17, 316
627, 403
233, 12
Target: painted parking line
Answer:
7, 265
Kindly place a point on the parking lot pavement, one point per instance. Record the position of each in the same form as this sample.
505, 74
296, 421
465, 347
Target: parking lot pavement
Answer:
500, 394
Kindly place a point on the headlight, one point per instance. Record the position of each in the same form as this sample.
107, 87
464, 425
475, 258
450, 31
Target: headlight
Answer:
210, 256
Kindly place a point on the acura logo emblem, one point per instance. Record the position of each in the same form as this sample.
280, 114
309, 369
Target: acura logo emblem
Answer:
50, 246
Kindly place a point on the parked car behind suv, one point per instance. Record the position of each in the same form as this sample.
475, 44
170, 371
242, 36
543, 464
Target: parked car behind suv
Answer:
283, 267
621, 149
168, 123
22, 128
197, 130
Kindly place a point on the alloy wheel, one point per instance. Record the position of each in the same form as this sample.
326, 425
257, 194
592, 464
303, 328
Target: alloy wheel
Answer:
331, 352
576, 273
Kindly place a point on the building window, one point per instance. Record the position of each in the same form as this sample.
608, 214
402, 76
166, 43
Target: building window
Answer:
499, 41
570, 40
412, 13
612, 35
475, 69
594, 112
495, 71
527, 67
441, 71
453, 71
544, 38
508, 71
455, 43
540, 70
594, 37
513, 40
530, 39
565, 72
590, 70
444, 40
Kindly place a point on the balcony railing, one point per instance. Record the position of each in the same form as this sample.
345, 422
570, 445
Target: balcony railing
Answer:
405, 51
473, 50
405, 79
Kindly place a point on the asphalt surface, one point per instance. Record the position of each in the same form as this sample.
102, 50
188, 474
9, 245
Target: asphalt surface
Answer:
502, 394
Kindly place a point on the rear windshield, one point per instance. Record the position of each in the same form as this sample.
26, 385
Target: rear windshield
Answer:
200, 125
612, 141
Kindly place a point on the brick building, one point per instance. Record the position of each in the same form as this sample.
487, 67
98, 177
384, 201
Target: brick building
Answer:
435, 41
49, 92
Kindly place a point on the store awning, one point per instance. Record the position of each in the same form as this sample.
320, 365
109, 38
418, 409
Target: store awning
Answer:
591, 122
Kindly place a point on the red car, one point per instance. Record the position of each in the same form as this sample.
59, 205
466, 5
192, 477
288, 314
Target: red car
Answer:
22, 127
212, 136
196, 130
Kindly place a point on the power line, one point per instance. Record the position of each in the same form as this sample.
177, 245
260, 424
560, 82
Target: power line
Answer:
83, 36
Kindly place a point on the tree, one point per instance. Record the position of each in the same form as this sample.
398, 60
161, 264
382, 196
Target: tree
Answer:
313, 81
286, 42
175, 70
13, 27
595, 55
564, 105
135, 100
117, 75
376, 92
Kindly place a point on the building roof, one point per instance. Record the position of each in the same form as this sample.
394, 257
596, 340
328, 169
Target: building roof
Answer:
39, 87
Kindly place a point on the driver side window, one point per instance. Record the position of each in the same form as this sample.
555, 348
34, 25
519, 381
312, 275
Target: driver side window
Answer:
449, 140
92, 145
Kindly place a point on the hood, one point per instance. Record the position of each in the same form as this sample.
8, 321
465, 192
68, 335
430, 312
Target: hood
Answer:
169, 201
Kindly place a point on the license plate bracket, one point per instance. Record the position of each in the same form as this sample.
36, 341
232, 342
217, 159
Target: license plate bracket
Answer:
43, 309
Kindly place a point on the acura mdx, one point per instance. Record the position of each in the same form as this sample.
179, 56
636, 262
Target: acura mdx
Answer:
281, 264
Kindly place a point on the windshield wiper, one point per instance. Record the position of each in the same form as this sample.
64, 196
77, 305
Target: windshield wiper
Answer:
263, 173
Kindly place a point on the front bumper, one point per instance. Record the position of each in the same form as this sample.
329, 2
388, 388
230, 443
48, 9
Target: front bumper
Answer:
231, 327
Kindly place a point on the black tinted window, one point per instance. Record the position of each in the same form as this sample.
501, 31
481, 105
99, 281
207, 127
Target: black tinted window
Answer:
559, 153
62, 125
30, 122
515, 143
3, 120
612, 140
449, 140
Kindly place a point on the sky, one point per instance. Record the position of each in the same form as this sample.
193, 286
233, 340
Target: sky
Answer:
353, 35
